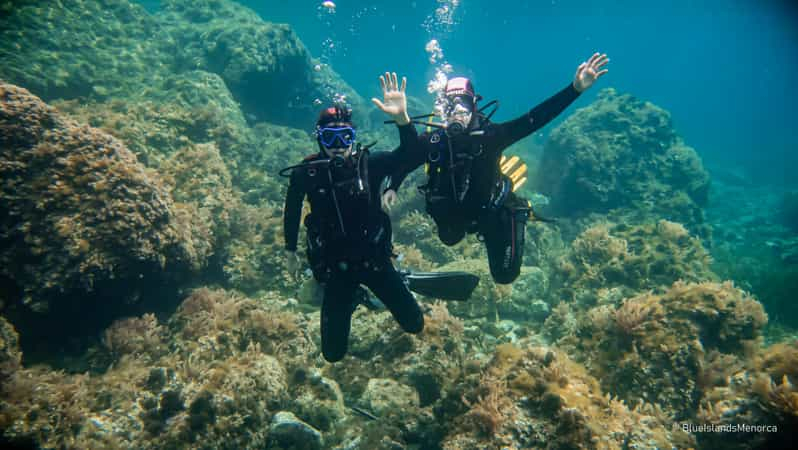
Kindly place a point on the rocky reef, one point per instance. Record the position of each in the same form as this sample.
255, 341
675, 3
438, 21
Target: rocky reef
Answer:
81, 49
759, 397
217, 366
80, 214
225, 38
678, 336
535, 397
114, 48
622, 155
192, 106
226, 369
608, 261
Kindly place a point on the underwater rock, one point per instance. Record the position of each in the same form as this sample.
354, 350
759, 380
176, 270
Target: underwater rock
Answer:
82, 49
538, 310
318, 400
10, 356
165, 124
543, 245
532, 282
383, 395
526, 299
139, 336
204, 197
193, 107
191, 131
762, 397
190, 107
81, 211
622, 153
561, 322
410, 258
275, 148
225, 193
351, 444
371, 331
536, 397
674, 335
218, 383
632, 259
504, 331
265, 65
424, 362
244, 239
234, 321
114, 48
288, 431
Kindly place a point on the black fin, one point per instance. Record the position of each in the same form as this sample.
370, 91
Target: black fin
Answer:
443, 285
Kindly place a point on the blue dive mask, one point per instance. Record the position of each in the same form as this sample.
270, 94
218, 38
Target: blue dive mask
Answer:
336, 137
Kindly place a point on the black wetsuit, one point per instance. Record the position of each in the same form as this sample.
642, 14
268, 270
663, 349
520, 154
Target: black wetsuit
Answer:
348, 245
465, 196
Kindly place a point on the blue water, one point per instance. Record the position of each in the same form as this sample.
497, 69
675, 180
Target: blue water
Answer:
725, 69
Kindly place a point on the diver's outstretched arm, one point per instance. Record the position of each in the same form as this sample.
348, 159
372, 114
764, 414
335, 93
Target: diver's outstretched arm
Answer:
586, 74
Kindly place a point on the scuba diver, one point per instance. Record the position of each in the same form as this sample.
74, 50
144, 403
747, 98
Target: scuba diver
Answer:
469, 185
348, 234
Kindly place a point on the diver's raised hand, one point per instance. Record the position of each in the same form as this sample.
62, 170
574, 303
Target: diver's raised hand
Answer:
589, 71
394, 101
389, 198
